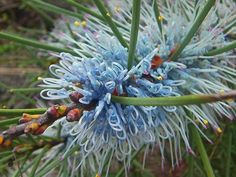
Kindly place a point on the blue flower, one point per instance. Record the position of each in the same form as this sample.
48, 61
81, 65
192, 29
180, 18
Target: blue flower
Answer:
100, 71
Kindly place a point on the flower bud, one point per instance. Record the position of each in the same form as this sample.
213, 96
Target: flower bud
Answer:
74, 115
156, 62
56, 111
75, 96
32, 127
41, 129
27, 117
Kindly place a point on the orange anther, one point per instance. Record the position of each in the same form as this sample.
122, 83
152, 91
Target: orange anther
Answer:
161, 18
84, 24
205, 122
1, 139
219, 130
160, 78
117, 8
77, 23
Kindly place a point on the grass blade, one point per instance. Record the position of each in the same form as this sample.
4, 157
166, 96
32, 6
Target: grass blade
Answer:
24, 166
134, 31
55, 163
157, 14
106, 15
173, 100
85, 9
202, 151
7, 122
25, 90
222, 50
52, 8
231, 24
229, 154
193, 30
33, 43
37, 161
17, 112
47, 18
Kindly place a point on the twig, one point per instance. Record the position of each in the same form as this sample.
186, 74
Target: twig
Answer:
36, 124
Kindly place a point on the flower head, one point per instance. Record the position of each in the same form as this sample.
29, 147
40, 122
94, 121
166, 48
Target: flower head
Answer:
105, 128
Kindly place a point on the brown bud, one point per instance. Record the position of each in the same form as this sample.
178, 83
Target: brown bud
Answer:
115, 92
62, 110
75, 96
56, 111
32, 127
27, 117
74, 115
156, 62
52, 111
41, 129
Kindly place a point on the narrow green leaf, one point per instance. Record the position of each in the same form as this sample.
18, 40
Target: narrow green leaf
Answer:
33, 43
72, 35
134, 31
157, 15
25, 90
6, 158
193, 30
24, 166
31, 139
190, 158
231, 24
6, 152
199, 144
7, 122
174, 100
37, 161
46, 163
47, 18
65, 171
229, 154
52, 8
183, 9
59, 130
222, 50
12, 112
71, 151
107, 16
55, 163
85, 9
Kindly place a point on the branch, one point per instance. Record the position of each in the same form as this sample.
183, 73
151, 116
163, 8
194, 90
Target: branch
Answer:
35, 124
